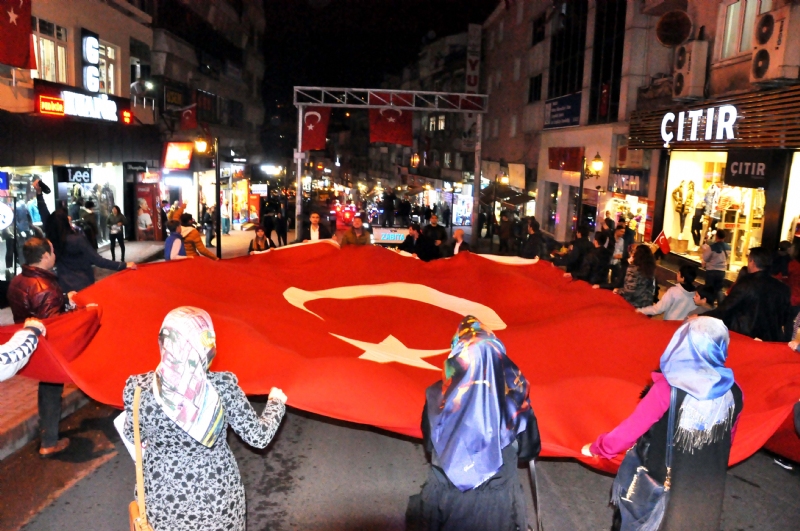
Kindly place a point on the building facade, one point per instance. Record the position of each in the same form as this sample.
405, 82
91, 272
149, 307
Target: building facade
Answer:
72, 122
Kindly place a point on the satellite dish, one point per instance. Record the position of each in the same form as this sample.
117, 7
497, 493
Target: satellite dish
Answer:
673, 28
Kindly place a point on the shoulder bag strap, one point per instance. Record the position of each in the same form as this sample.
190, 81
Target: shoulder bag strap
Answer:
137, 442
670, 436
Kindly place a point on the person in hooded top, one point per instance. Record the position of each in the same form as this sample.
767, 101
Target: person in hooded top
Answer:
708, 404
678, 302
477, 424
191, 480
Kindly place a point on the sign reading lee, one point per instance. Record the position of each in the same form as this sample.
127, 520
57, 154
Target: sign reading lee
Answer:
73, 174
748, 168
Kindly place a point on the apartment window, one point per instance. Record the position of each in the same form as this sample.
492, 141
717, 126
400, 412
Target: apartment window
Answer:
206, 106
539, 24
108, 68
535, 89
609, 38
432, 123
567, 47
500, 32
459, 162
50, 48
441, 122
517, 65
740, 17
235, 113
513, 126
448, 159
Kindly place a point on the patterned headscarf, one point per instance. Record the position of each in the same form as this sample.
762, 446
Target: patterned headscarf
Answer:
181, 388
695, 362
479, 407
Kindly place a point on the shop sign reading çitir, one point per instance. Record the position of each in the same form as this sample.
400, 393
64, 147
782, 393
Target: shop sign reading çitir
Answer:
716, 124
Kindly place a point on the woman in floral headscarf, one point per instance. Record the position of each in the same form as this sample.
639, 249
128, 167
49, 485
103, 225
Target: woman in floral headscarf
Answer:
191, 480
477, 423
708, 404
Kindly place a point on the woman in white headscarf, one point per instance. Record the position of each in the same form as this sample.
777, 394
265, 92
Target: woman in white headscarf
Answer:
708, 403
190, 475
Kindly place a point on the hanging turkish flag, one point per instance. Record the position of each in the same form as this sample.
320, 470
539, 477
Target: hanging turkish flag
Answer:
374, 370
315, 128
391, 125
663, 243
189, 117
16, 40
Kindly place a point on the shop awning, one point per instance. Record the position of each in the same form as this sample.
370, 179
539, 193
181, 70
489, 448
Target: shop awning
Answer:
27, 140
503, 193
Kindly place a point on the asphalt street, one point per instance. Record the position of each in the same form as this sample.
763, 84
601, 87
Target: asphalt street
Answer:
320, 474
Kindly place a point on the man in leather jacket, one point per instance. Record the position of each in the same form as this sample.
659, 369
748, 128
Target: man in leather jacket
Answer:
759, 305
36, 293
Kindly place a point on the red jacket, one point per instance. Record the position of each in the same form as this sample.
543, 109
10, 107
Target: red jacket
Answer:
35, 293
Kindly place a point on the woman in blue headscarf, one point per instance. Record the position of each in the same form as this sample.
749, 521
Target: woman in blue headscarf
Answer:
708, 404
476, 424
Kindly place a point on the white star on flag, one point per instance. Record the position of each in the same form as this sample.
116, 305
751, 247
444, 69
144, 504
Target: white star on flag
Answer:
12, 17
393, 350
390, 119
310, 127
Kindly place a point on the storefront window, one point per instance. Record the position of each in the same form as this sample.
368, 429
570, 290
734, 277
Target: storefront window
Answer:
94, 199
791, 215
551, 209
19, 214
699, 202
628, 209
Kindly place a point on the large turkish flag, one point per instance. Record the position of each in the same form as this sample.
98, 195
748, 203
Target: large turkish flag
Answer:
315, 128
358, 334
15, 34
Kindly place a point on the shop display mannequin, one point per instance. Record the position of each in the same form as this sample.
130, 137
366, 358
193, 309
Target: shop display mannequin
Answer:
680, 206
697, 222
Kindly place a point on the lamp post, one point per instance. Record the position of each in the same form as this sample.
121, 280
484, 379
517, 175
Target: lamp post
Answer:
201, 145
586, 172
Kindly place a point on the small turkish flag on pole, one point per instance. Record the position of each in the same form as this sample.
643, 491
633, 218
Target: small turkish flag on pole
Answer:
663, 243
16, 40
315, 128
189, 117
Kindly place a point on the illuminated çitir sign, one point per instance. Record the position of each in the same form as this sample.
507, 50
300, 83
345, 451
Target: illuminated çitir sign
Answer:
55, 99
90, 46
713, 123
97, 107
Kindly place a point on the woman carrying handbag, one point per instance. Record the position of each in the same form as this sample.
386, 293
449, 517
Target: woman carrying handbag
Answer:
189, 479
674, 476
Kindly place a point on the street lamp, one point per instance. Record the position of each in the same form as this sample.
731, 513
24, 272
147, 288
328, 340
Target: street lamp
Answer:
588, 170
201, 146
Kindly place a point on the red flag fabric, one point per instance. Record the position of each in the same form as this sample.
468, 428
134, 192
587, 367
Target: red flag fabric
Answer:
357, 334
389, 124
315, 128
189, 117
663, 243
15, 28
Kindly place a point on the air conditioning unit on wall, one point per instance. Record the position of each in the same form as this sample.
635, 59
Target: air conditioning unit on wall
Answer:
689, 79
776, 55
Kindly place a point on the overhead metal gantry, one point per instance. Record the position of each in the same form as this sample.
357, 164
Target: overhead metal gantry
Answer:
402, 100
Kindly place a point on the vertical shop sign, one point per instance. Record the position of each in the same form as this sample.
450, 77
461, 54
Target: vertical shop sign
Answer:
473, 78
254, 207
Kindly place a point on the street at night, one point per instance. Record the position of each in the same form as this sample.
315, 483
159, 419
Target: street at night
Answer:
400, 265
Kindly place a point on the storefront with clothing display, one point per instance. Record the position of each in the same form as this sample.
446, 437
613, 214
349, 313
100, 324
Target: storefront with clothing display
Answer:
722, 171
79, 157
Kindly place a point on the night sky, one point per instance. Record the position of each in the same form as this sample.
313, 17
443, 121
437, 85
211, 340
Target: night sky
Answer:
349, 43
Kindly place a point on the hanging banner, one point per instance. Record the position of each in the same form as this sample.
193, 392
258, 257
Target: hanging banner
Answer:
473, 79
750, 168
563, 112
315, 128
565, 158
